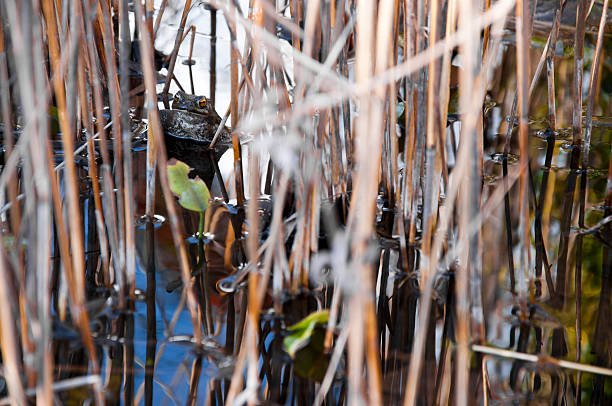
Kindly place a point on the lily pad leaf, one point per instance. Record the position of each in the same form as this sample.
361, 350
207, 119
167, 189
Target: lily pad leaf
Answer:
302, 331
193, 194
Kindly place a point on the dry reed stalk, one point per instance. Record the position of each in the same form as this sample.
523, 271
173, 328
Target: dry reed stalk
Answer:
594, 80
236, 381
160, 14
9, 171
9, 332
86, 109
190, 61
76, 237
370, 126
509, 130
432, 161
8, 342
175, 224
115, 200
255, 294
451, 23
234, 95
568, 200
445, 221
469, 201
151, 164
310, 27
426, 290
595, 72
540, 359
274, 235
5, 103
481, 84
341, 89
361, 215
550, 66
395, 179
150, 170
73, 263
522, 54
36, 133
84, 65
94, 79
126, 142
174, 53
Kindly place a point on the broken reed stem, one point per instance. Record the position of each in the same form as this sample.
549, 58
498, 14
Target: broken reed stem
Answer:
542, 360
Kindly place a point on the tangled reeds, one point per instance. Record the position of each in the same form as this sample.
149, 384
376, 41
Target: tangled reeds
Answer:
361, 137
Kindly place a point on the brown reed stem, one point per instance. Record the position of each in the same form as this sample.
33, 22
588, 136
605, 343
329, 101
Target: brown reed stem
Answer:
76, 273
176, 225
174, 54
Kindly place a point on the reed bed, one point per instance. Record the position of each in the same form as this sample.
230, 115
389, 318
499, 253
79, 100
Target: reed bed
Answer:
363, 131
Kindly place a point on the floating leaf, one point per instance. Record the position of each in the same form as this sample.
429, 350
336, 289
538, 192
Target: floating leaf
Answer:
312, 361
302, 331
193, 194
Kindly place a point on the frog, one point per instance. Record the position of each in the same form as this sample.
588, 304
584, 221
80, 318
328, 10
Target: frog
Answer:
189, 127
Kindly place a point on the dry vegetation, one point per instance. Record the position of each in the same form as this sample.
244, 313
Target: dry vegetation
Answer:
395, 249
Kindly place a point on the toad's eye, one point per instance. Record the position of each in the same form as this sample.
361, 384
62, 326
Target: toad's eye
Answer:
202, 103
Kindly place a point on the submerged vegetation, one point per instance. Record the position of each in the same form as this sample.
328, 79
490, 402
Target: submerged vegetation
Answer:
376, 202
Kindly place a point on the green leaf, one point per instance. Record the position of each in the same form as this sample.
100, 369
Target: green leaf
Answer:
302, 331
312, 361
193, 194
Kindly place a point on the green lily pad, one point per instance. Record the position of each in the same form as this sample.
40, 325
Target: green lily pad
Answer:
306, 346
302, 331
312, 361
193, 194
